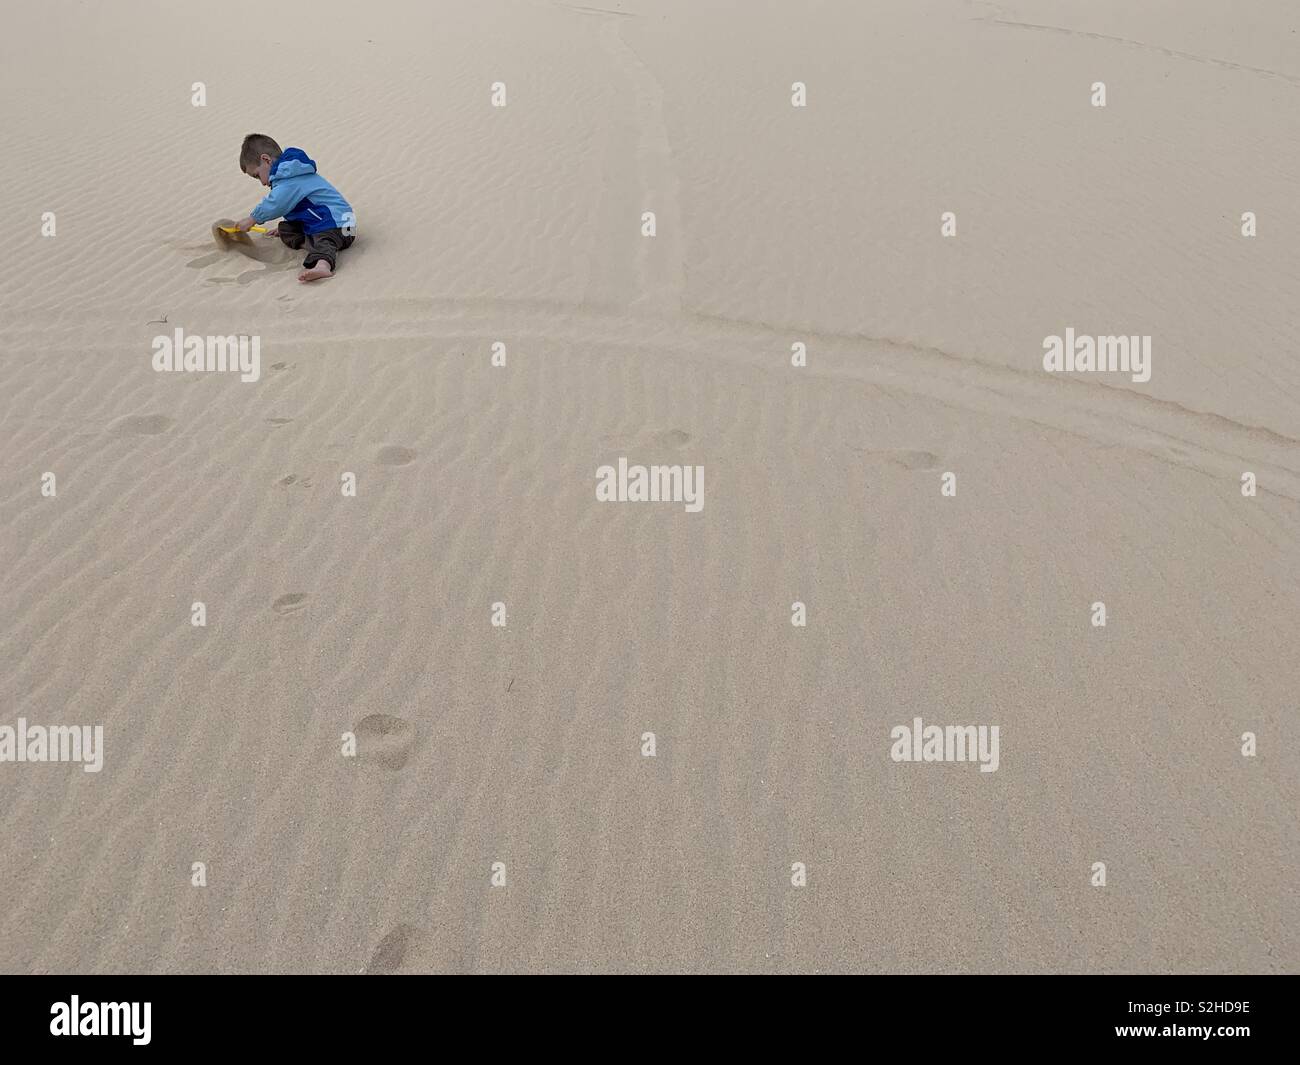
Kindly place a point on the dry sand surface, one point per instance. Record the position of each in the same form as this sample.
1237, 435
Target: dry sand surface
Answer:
775, 225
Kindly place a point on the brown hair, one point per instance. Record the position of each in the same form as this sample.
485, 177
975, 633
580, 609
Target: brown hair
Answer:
254, 147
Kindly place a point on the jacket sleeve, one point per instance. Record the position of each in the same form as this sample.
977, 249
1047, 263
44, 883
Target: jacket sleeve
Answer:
282, 199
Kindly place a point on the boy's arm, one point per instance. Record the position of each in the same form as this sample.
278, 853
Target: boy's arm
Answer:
279, 201
245, 224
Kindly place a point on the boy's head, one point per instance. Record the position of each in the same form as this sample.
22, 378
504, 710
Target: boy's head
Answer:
256, 156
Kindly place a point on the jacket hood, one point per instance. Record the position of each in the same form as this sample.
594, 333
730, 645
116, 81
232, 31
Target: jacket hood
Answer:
293, 162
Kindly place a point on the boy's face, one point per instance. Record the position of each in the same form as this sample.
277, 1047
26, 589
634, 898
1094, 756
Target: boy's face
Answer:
262, 170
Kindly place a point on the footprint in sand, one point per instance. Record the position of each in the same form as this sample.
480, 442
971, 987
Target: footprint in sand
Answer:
141, 425
293, 478
278, 421
384, 740
395, 456
292, 603
248, 276
672, 437
909, 460
392, 950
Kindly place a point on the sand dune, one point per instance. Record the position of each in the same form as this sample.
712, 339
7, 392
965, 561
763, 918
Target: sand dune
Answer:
520, 226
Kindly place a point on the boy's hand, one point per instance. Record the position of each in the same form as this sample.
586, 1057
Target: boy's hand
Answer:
272, 232
245, 224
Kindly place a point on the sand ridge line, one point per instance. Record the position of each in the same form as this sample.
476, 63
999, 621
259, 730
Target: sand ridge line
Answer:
1173, 53
660, 260
1204, 440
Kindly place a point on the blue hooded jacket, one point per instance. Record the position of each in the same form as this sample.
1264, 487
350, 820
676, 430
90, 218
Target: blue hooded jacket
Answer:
299, 194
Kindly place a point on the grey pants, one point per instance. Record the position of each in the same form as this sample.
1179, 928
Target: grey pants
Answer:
323, 245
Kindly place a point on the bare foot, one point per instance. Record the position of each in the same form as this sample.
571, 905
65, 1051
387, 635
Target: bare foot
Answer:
315, 273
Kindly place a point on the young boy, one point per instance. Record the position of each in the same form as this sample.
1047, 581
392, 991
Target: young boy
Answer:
315, 215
